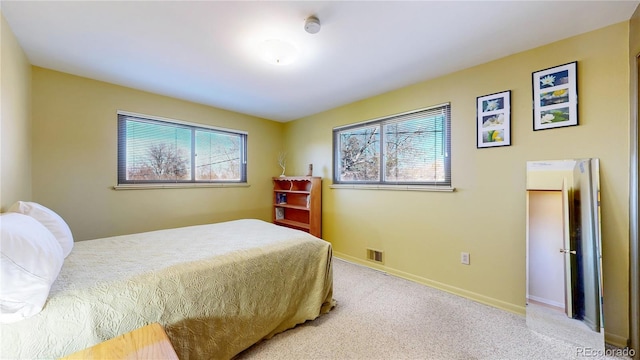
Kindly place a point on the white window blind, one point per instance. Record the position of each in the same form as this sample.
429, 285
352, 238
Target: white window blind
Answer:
406, 149
163, 151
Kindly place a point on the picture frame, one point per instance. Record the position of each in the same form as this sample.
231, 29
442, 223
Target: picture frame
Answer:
555, 97
279, 213
493, 120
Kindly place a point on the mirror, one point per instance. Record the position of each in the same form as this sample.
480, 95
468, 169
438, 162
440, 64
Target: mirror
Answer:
564, 276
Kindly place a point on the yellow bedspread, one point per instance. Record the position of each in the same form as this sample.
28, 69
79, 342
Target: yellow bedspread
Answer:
217, 289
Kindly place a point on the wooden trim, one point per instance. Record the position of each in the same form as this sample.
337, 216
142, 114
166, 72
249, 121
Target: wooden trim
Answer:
148, 342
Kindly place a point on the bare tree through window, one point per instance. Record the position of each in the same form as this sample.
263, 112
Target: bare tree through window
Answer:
163, 162
152, 151
407, 148
360, 158
414, 152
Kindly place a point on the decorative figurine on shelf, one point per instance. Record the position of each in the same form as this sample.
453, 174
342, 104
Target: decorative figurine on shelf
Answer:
310, 173
282, 161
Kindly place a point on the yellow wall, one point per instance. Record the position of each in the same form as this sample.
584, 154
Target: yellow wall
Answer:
634, 34
423, 233
15, 120
75, 160
548, 179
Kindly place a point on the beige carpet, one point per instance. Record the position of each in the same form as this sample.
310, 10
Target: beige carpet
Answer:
380, 316
552, 321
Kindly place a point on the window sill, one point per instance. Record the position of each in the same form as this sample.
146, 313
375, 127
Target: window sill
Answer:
177, 186
394, 187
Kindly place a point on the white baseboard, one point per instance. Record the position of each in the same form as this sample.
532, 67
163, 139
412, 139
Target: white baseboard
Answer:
546, 301
615, 340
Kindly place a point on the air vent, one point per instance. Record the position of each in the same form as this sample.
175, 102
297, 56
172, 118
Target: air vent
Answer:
375, 255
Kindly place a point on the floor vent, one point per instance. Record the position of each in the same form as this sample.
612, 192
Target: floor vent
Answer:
375, 255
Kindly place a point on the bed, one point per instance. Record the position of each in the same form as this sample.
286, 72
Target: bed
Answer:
216, 289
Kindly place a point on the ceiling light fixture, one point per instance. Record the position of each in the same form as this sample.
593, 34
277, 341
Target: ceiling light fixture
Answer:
278, 52
312, 25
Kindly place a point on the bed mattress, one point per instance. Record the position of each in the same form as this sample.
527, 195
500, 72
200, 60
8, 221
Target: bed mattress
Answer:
217, 289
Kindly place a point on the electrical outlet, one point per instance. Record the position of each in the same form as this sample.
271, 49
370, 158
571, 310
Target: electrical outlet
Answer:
464, 258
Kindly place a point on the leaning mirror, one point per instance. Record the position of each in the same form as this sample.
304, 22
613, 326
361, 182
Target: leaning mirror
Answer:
564, 276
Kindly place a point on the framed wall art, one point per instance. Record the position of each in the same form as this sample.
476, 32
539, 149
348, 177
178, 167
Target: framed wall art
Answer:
555, 97
493, 124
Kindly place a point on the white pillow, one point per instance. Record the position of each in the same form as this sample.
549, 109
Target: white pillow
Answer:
50, 220
30, 261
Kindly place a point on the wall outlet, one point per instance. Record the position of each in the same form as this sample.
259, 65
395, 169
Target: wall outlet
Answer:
464, 258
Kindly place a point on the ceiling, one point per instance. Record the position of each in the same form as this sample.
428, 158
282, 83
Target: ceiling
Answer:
205, 51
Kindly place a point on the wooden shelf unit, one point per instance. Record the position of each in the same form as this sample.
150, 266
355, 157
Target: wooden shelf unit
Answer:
297, 203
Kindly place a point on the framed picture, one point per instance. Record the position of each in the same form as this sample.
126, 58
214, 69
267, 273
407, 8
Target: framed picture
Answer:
555, 97
279, 213
493, 126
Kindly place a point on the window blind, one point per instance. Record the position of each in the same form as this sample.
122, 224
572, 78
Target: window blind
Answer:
162, 151
412, 148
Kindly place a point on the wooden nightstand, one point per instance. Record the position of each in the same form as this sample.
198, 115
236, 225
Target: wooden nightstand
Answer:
147, 342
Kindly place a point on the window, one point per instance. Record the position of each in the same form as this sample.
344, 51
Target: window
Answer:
405, 149
153, 150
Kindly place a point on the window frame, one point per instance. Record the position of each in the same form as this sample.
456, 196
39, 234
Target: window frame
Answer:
122, 117
386, 184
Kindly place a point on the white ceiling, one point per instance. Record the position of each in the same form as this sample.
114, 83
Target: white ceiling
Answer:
204, 51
